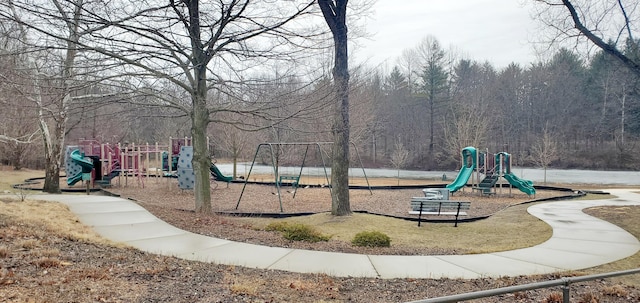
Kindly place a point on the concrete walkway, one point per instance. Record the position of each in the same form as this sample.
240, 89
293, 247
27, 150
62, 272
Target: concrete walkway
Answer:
579, 241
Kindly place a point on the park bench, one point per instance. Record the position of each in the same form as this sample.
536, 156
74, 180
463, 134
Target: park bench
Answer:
424, 206
295, 179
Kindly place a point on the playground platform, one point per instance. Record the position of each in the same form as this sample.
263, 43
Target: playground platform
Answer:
579, 241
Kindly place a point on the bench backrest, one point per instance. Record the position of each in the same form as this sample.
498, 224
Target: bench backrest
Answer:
441, 204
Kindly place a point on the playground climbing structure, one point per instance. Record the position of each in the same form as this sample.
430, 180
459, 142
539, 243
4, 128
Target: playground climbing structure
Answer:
124, 161
488, 168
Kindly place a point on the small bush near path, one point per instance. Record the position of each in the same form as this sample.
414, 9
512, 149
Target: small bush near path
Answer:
297, 232
371, 239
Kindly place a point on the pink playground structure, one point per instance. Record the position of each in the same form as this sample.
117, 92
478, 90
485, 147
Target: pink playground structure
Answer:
123, 161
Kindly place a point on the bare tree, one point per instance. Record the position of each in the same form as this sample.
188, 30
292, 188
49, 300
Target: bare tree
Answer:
232, 140
410, 63
196, 47
544, 151
335, 12
607, 24
18, 132
399, 157
50, 68
17, 124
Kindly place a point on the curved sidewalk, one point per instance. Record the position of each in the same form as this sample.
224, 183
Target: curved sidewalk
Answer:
579, 241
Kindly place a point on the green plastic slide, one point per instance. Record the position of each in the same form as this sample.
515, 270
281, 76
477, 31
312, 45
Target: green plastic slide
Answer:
461, 180
524, 186
469, 158
218, 175
87, 166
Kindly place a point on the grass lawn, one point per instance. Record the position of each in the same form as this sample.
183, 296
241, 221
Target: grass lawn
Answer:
509, 229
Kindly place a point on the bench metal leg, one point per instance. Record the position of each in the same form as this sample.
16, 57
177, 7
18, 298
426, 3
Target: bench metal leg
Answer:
457, 214
420, 214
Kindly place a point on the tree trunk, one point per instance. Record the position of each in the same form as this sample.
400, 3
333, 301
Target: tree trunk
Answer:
200, 113
235, 164
431, 124
340, 166
53, 144
201, 161
334, 12
18, 151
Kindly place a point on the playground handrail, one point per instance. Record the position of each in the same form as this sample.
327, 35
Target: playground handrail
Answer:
565, 283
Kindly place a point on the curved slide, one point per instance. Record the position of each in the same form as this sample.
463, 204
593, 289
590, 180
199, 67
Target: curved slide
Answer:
524, 186
217, 174
461, 179
468, 166
87, 166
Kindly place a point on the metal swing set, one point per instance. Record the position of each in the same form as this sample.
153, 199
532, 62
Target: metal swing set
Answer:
295, 178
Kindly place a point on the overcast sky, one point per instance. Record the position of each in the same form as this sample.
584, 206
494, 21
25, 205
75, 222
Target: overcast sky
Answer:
499, 31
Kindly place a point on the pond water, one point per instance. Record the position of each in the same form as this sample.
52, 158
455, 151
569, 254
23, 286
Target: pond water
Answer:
534, 174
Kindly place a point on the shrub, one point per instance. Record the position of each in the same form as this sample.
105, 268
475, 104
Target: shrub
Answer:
371, 239
297, 232
277, 226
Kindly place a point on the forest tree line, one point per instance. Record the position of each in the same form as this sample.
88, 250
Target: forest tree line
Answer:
430, 105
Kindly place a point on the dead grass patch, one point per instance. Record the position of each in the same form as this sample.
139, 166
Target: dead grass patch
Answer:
509, 229
615, 291
244, 286
589, 298
87, 273
46, 262
28, 244
55, 217
4, 251
554, 297
48, 252
11, 177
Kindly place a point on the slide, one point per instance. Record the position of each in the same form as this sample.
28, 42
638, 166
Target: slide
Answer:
461, 179
469, 159
86, 165
524, 186
218, 175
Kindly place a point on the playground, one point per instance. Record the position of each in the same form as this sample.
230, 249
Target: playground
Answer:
509, 227
495, 221
147, 174
73, 261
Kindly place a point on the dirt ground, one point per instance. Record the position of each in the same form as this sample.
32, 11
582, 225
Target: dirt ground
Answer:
172, 205
40, 265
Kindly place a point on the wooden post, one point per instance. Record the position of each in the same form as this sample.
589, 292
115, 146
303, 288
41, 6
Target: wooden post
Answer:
170, 162
147, 166
158, 162
123, 165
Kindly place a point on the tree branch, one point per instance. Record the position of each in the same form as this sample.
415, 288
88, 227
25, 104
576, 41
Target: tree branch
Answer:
607, 48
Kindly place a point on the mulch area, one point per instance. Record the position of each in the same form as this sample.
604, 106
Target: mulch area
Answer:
263, 199
175, 206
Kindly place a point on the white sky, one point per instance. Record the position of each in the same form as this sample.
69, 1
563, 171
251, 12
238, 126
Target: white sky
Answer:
498, 31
